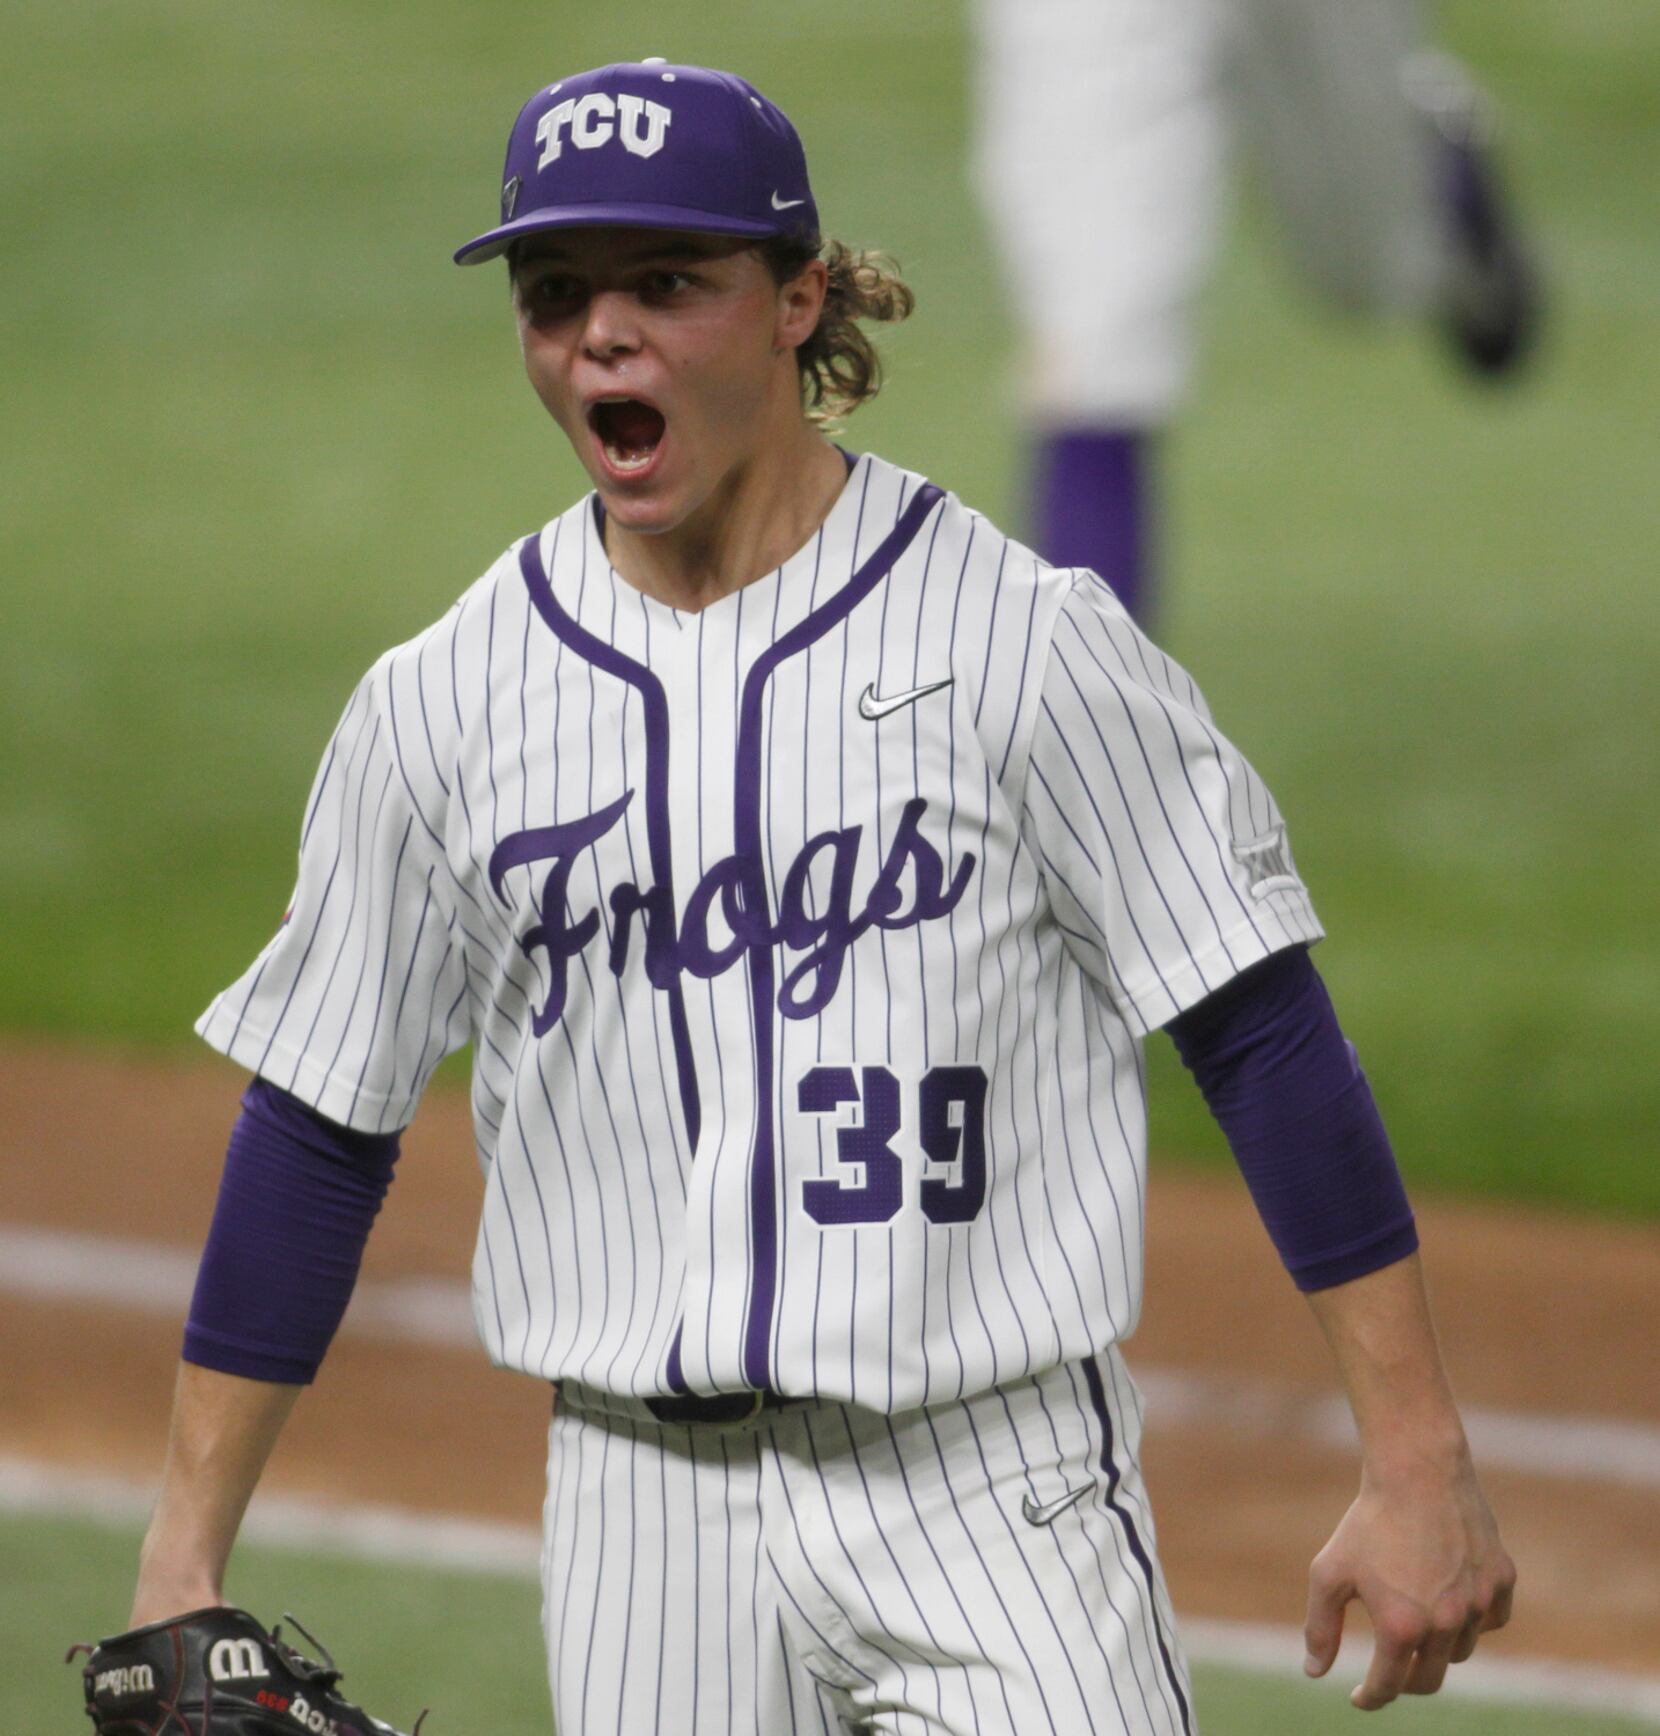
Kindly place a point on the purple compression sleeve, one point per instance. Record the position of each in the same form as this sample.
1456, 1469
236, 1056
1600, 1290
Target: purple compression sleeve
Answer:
1289, 1094
296, 1201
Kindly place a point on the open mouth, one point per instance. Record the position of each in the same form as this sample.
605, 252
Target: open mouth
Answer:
628, 430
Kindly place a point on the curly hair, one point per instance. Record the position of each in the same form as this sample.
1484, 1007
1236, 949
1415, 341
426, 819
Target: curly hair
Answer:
838, 364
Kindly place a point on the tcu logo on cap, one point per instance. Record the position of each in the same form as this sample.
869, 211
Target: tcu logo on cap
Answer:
596, 119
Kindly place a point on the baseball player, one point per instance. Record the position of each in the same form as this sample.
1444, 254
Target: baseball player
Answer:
1101, 153
805, 863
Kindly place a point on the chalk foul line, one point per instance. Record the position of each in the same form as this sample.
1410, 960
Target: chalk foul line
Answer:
450, 1542
151, 1278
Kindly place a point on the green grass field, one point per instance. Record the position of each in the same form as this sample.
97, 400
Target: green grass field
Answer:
257, 429
471, 1647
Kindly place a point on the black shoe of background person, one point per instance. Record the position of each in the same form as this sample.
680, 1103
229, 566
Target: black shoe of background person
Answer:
1493, 298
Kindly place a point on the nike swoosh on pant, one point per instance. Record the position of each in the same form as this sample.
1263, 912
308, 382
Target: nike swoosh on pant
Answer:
1033, 1514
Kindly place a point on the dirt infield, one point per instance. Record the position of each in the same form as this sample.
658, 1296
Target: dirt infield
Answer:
1553, 1317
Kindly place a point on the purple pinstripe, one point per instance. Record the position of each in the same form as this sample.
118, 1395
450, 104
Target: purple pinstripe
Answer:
747, 846
1109, 1465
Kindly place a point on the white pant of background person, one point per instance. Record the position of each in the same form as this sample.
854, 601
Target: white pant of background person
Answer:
981, 1566
1103, 131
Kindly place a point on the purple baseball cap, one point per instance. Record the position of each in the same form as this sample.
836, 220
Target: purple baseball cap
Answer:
647, 145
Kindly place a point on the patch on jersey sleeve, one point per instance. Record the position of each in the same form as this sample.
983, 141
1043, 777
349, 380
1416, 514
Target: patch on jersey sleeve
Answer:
1268, 862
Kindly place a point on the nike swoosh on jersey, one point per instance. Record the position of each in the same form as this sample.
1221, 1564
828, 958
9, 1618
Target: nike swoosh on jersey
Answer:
785, 204
871, 708
1050, 1511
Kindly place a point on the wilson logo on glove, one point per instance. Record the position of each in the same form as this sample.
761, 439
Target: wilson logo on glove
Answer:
117, 1684
187, 1674
236, 1661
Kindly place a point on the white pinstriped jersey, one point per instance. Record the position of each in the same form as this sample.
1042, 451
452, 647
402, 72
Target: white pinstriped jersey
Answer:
805, 943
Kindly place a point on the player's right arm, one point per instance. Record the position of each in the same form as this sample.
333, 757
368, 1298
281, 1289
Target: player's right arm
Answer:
222, 1433
342, 1018
297, 1199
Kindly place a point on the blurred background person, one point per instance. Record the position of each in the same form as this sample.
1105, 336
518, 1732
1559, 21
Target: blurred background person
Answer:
1104, 130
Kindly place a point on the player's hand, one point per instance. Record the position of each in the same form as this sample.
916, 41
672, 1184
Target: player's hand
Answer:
1422, 1553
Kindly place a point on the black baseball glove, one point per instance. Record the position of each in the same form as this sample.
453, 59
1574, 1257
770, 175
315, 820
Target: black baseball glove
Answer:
217, 1672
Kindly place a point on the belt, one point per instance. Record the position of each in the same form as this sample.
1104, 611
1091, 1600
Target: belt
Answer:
721, 1410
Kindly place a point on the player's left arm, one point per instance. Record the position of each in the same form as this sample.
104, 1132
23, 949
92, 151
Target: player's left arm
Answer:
1166, 863
1419, 1546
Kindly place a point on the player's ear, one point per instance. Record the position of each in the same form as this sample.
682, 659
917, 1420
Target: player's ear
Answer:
800, 302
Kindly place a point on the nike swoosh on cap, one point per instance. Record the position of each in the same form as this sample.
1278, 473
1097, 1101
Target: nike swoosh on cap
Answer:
784, 204
1033, 1514
871, 708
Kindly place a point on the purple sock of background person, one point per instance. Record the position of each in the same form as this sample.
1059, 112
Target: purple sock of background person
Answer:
1090, 507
